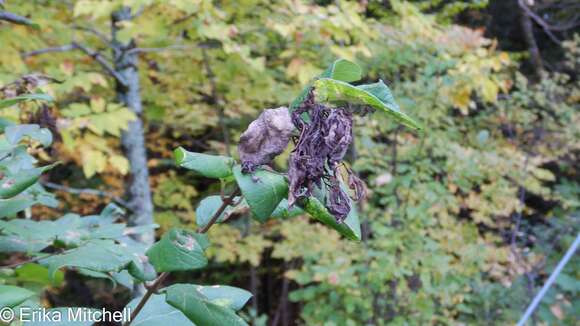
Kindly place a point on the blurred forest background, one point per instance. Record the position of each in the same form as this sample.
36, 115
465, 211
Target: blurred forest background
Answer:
464, 221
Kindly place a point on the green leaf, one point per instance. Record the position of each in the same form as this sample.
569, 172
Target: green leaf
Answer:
282, 210
16, 132
140, 272
340, 69
375, 95
11, 186
12, 206
211, 166
69, 231
28, 97
208, 207
95, 274
199, 308
112, 211
343, 70
96, 255
157, 312
139, 268
263, 191
23, 235
350, 228
11, 296
179, 250
13, 243
226, 296
37, 275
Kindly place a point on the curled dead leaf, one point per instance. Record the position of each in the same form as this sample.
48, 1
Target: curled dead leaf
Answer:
265, 138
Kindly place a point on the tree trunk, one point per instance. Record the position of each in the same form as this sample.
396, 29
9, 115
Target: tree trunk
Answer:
133, 140
534, 50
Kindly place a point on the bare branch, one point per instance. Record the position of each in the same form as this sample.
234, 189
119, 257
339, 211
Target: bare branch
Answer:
63, 48
102, 61
95, 32
177, 47
545, 26
78, 191
561, 264
14, 18
97, 56
163, 49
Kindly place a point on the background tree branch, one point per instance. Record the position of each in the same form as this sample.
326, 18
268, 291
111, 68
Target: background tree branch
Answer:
14, 18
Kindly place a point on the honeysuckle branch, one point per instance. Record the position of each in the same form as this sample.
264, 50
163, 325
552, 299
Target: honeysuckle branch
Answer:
154, 287
225, 203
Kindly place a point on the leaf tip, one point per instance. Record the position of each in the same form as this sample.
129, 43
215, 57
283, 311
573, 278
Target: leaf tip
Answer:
179, 155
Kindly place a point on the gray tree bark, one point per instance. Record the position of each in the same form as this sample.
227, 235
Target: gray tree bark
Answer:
534, 50
133, 140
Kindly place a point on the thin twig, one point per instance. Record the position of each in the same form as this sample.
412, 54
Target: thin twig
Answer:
78, 191
177, 47
545, 26
162, 49
95, 32
102, 61
151, 289
538, 298
14, 18
225, 203
97, 56
62, 48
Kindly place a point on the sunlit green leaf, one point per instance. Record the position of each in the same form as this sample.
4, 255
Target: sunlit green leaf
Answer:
263, 191
96, 255
350, 227
199, 308
375, 95
179, 250
211, 166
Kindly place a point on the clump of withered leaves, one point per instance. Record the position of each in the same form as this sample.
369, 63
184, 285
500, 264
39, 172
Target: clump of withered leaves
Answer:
325, 134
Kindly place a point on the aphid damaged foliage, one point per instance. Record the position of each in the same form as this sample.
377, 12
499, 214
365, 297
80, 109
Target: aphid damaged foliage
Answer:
265, 138
325, 134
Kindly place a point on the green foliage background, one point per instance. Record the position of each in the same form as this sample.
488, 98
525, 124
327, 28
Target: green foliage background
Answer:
440, 244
